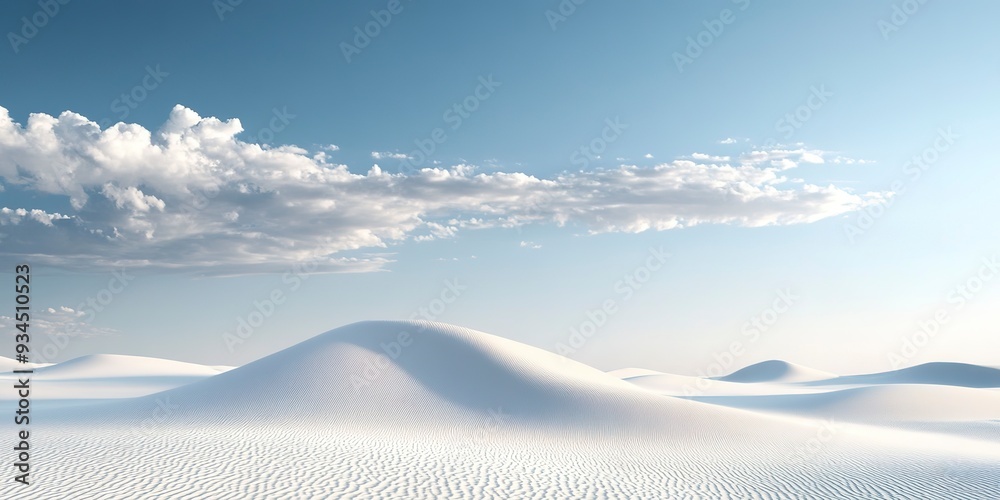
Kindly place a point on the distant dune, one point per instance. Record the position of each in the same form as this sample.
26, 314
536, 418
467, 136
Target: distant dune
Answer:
110, 376
8, 364
938, 373
776, 371
669, 384
897, 403
119, 365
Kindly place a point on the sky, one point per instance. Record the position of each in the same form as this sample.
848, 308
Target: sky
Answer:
680, 186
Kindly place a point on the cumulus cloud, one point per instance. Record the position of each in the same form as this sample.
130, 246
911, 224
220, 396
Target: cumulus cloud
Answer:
530, 244
708, 157
384, 155
843, 160
15, 216
783, 159
192, 196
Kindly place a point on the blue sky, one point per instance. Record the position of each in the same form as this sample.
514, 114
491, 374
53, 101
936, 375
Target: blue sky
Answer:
752, 165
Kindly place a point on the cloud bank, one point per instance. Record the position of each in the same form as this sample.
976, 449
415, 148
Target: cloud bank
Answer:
191, 196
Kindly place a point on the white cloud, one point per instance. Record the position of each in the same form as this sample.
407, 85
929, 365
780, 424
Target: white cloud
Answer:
728, 140
648, 156
132, 198
530, 244
843, 160
62, 320
15, 216
191, 196
388, 156
783, 159
783, 163
707, 157
810, 157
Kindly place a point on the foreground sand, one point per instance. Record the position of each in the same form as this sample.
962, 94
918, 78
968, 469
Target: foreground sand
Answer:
425, 410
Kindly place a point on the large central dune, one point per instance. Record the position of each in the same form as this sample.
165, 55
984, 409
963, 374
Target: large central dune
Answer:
427, 378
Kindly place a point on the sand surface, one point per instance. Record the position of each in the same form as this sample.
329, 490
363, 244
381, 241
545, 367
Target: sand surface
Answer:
426, 410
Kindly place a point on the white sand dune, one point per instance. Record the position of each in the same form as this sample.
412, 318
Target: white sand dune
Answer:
938, 373
627, 373
445, 374
776, 371
109, 376
455, 413
9, 364
669, 384
119, 365
881, 403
